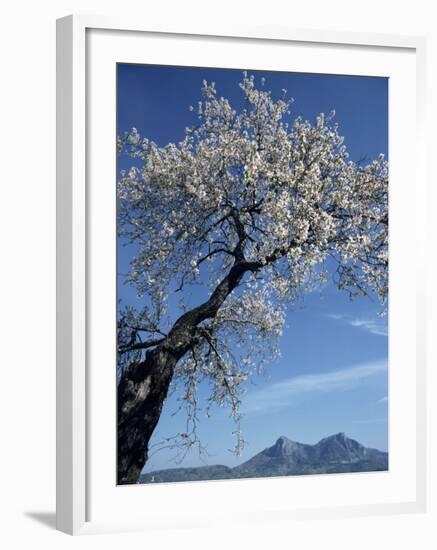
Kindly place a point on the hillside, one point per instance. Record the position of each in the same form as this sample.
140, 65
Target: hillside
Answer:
334, 454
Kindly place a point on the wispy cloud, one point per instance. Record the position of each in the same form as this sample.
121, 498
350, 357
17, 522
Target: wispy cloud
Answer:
383, 399
376, 326
281, 394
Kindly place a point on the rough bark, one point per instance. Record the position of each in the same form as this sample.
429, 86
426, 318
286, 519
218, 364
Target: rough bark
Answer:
143, 387
141, 394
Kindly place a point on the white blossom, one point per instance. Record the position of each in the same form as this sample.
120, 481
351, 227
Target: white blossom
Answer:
255, 186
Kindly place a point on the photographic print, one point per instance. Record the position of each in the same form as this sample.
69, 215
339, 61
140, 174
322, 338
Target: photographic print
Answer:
252, 274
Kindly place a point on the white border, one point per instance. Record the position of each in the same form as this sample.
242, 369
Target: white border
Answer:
72, 385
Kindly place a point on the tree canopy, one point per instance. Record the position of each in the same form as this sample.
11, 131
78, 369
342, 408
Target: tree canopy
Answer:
258, 207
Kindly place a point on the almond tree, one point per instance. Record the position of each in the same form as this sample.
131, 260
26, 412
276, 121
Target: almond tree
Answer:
257, 208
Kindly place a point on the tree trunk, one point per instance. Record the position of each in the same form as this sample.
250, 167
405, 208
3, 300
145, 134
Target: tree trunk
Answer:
141, 394
143, 386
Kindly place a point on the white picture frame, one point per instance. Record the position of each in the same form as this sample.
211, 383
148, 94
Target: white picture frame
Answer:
75, 310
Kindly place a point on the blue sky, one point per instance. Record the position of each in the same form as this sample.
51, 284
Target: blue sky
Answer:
332, 373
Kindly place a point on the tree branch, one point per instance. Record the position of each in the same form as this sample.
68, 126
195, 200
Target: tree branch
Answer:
141, 345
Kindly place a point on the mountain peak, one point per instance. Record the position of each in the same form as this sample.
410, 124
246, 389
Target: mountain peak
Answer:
283, 442
282, 448
340, 448
341, 437
334, 454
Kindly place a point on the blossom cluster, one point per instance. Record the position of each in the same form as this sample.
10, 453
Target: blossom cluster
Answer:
259, 187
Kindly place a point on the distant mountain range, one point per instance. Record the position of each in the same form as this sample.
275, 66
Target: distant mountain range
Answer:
334, 454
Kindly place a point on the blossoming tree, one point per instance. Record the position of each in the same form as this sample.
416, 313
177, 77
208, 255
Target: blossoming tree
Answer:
256, 207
